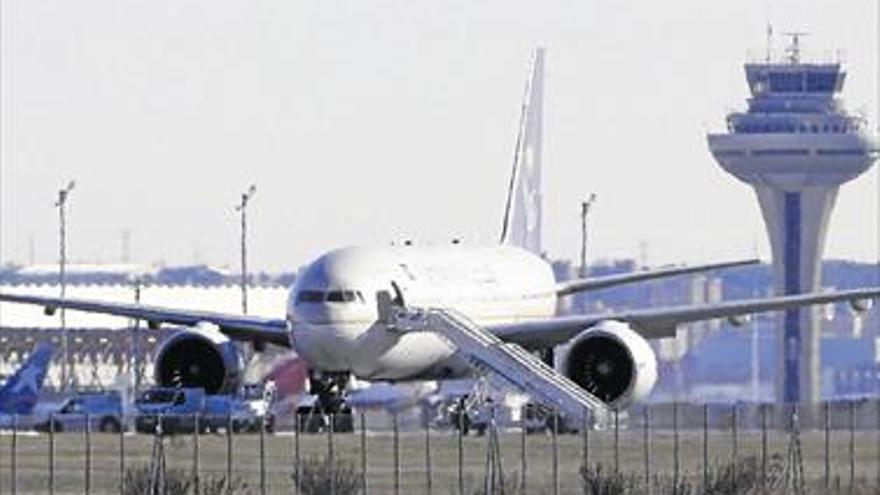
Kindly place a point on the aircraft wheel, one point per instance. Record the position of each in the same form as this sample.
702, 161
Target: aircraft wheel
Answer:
109, 425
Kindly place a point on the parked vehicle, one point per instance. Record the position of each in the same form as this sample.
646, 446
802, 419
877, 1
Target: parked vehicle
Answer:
170, 410
225, 411
469, 416
183, 410
101, 411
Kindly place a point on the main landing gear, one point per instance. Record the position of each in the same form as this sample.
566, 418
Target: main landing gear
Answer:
329, 405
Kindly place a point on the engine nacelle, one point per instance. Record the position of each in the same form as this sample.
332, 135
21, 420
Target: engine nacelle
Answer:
199, 357
613, 363
860, 306
739, 320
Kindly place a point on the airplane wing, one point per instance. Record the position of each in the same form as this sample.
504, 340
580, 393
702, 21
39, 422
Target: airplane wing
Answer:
237, 327
593, 283
655, 323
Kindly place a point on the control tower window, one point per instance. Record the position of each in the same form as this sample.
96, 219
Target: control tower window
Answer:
787, 82
821, 82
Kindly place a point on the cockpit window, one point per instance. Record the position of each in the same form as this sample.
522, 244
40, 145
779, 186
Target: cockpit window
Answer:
310, 296
333, 296
341, 296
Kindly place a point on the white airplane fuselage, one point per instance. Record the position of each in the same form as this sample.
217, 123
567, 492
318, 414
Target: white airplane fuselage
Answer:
333, 315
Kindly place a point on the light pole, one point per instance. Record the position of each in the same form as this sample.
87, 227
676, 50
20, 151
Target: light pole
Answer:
585, 209
66, 366
135, 364
242, 208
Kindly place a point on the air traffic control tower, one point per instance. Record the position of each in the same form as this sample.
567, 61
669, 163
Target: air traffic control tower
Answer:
795, 145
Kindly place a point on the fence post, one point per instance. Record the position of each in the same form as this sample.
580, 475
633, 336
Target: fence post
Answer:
88, 435
296, 464
763, 448
852, 445
827, 446
396, 432
556, 451
121, 453
586, 433
52, 454
331, 453
647, 446
13, 464
705, 446
197, 424
428, 483
229, 428
263, 454
461, 419
675, 458
734, 432
523, 465
363, 453
616, 441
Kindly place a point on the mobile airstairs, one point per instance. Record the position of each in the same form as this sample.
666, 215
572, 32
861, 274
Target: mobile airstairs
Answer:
495, 359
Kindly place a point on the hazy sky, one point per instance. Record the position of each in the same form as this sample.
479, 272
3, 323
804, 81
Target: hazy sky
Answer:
371, 121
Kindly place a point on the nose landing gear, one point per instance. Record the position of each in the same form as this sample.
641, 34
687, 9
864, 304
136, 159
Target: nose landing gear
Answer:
329, 406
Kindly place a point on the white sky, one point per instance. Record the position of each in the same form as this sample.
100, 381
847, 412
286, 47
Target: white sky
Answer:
369, 121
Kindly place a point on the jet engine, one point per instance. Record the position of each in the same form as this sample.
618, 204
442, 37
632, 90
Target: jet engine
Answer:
199, 357
613, 363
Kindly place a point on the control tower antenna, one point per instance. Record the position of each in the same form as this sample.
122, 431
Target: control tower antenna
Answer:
794, 49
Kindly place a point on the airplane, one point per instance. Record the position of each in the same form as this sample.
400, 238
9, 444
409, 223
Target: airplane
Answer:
19, 394
346, 312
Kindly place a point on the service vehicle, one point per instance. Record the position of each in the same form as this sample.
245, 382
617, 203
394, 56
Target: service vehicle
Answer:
100, 411
167, 411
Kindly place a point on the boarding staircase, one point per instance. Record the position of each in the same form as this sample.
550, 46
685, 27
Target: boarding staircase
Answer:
496, 359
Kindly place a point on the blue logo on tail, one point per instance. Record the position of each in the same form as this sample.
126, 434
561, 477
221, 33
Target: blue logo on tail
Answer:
19, 394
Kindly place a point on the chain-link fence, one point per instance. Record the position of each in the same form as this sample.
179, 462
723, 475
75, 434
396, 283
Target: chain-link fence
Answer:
657, 449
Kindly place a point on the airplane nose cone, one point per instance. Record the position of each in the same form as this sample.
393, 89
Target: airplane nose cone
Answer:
325, 346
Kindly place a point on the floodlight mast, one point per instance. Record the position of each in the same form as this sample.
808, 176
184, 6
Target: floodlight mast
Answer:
242, 208
585, 210
66, 365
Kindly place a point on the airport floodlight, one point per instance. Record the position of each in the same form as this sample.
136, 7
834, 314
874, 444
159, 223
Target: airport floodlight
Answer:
60, 203
63, 193
242, 208
585, 210
245, 197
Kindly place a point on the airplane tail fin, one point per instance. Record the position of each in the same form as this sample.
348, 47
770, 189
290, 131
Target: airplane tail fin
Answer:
19, 393
522, 214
